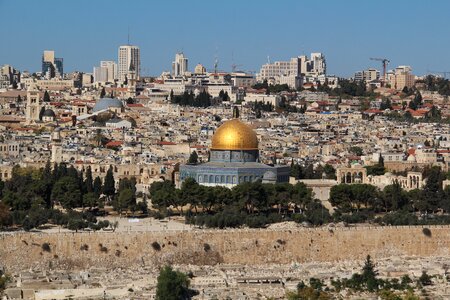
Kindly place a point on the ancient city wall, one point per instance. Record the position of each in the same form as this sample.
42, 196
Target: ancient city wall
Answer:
106, 249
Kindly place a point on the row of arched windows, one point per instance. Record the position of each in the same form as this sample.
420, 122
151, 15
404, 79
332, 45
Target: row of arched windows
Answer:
225, 179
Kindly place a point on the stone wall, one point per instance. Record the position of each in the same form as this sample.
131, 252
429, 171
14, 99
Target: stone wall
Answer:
21, 251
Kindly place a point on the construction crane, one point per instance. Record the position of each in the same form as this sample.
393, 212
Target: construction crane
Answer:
385, 62
439, 72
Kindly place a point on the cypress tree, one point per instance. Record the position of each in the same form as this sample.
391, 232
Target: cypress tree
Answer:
88, 182
109, 185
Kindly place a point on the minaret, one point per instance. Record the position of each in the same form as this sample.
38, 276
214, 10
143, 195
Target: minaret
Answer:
56, 146
33, 106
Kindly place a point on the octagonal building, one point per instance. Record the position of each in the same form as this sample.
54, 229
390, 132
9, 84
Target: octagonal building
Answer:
234, 159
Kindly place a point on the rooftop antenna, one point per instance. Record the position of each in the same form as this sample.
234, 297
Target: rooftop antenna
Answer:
268, 59
128, 36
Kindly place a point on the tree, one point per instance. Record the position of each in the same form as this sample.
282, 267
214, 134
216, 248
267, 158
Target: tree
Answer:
90, 200
394, 197
369, 274
193, 158
5, 215
163, 194
425, 279
97, 186
109, 188
46, 97
172, 285
102, 93
330, 171
88, 182
125, 200
67, 192
356, 150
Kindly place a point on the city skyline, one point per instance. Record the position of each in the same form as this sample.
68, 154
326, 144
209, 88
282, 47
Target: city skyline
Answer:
244, 34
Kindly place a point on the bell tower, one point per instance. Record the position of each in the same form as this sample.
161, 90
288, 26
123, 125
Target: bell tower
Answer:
33, 106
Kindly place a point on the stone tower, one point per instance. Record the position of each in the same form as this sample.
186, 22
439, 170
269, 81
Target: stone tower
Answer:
33, 104
131, 77
56, 146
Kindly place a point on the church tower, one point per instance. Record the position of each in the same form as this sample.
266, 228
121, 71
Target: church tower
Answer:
131, 76
33, 107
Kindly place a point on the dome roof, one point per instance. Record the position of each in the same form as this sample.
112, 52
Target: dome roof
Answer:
48, 113
106, 103
234, 135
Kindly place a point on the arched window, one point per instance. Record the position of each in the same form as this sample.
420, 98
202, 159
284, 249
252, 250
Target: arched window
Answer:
205, 178
228, 179
211, 179
217, 178
234, 179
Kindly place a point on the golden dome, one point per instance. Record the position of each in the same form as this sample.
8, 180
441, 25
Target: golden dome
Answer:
234, 135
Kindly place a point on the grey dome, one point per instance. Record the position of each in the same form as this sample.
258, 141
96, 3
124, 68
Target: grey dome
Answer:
106, 103
48, 113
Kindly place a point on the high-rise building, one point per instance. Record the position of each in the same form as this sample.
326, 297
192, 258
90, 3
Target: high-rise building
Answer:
107, 72
128, 55
52, 66
59, 62
180, 65
317, 65
100, 74
111, 67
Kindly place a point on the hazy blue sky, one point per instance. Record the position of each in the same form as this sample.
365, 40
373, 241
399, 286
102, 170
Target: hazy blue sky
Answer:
83, 32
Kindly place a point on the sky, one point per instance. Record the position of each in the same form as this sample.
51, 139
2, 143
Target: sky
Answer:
241, 32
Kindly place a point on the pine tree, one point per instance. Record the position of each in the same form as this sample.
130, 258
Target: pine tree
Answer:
193, 158
369, 274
